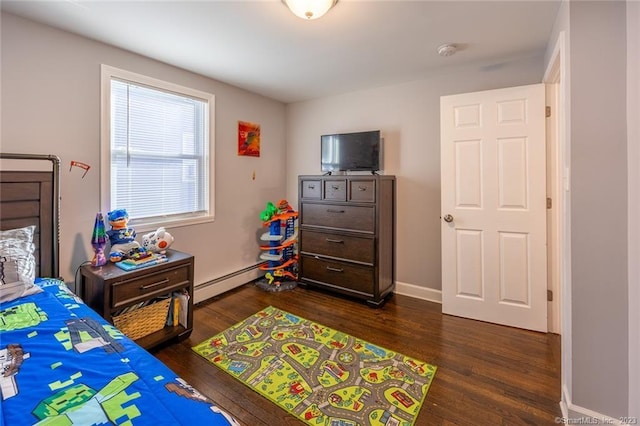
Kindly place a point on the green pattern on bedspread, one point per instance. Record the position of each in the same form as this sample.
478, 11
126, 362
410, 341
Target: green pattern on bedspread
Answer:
21, 316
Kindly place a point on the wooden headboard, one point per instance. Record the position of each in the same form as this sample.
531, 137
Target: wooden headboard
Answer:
32, 198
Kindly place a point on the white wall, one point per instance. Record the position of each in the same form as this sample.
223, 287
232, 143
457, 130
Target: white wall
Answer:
409, 117
51, 105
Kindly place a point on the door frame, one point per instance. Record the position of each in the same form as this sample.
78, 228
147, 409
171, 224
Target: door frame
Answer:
554, 224
557, 75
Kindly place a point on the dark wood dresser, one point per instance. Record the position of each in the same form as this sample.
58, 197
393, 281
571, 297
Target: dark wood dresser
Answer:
347, 234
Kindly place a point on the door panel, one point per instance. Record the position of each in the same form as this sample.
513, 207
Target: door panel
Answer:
469, 263
468, 173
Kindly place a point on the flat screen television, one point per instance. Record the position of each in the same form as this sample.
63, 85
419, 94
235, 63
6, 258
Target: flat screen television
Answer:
351, 151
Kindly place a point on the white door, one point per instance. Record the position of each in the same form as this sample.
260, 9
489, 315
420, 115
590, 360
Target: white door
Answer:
493, 186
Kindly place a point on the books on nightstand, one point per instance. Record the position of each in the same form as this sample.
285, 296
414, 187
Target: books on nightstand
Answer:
178, 309
132, 264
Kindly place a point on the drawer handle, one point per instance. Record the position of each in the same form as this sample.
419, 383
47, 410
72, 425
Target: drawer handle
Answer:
362, 188
311, 187
148, 286
329, 268
331, 240
335, 187
334, 211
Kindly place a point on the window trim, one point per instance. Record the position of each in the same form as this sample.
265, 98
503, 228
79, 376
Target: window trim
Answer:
108, 72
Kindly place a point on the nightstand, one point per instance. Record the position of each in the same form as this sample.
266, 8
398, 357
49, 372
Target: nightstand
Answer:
109, 291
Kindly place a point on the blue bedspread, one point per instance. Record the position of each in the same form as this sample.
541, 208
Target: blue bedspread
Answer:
63, 364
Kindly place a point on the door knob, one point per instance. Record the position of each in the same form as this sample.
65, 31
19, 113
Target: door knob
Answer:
448, 218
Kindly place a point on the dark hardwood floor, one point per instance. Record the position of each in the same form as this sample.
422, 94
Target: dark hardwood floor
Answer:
487, 374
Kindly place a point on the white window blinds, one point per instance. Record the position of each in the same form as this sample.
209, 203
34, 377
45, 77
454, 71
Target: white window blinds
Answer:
158, 148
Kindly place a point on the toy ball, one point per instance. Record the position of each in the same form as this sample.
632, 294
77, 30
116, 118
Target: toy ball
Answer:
157, 241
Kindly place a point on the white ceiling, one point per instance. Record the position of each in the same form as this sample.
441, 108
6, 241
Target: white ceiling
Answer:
262, 47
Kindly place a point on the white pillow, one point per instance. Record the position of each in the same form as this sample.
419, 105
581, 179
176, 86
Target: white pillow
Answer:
24, 234
17, 264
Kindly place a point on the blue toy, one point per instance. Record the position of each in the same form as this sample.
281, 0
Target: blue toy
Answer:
121, 237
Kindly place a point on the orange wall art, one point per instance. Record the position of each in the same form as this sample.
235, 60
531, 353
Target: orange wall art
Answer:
248, 139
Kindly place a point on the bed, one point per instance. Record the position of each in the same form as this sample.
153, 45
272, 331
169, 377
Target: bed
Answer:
62, 363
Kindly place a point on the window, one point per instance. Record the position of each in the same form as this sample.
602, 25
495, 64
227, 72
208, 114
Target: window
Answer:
155, 149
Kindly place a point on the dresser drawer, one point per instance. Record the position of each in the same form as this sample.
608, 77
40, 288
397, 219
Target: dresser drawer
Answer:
358, 249
356, 218
311, 189
362, 191
351, 277
335, 190
143, 288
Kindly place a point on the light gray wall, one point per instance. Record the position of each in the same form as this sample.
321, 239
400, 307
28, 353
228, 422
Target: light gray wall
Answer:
633, 137
51, 105
409, 117
599, 207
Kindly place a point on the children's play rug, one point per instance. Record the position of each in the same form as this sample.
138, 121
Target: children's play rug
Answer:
320, 375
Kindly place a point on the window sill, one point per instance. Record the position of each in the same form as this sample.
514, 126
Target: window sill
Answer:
148, 226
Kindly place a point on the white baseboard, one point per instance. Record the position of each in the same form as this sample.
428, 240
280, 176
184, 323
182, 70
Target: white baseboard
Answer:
227, 282
419, 292
564, 405
230, 281
574, 414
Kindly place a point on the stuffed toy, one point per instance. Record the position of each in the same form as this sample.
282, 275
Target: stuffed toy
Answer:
122, 237
157, 241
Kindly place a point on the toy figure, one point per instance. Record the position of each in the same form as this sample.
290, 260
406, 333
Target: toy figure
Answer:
268, 212
284, 207
157, 241
122, 238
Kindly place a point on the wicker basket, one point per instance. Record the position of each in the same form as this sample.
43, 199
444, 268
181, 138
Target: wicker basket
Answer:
144, 321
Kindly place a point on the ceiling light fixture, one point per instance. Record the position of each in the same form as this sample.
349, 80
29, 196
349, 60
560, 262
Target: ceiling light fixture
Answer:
309, 9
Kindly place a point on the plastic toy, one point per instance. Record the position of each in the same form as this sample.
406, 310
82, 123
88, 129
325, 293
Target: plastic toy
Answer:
157, 241
282, 261
122, 237
99, 241
268, 212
